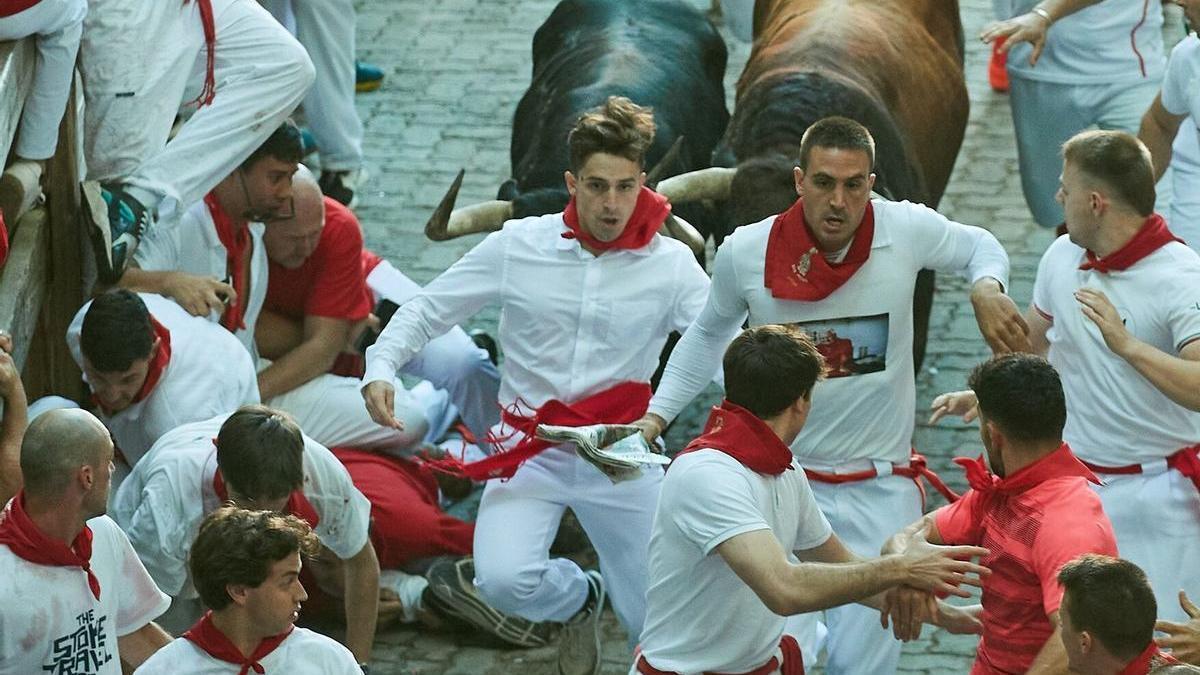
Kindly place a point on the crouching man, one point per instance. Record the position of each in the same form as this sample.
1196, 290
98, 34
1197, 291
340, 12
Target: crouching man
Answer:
734, 503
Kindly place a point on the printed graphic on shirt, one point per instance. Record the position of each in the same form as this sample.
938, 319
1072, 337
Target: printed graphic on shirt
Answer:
851, 346
83, 650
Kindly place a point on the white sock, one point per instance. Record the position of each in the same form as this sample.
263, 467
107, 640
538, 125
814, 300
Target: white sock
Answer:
408, 587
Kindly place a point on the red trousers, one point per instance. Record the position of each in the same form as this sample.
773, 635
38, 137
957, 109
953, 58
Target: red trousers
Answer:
407, 523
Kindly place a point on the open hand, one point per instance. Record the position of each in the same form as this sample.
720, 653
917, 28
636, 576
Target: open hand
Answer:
200, 296
960, 403
940, 569
1096, 306
1000, 322
1183, 639
1028, 27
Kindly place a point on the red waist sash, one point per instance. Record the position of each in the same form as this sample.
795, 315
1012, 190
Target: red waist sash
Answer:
792, 663
1185, 461
917, 469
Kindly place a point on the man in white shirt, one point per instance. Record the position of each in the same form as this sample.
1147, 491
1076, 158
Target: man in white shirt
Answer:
1169, 130
214, 263
1116, 309
736, 506
1072, 65
151, 367
257, 458
587, 299
76, 598
842, 266
246, 565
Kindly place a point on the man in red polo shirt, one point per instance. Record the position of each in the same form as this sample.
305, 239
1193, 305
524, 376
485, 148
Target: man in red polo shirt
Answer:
1033, 510
318, 300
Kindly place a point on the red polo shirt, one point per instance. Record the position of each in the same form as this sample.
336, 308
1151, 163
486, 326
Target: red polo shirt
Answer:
331, 282
1033, 522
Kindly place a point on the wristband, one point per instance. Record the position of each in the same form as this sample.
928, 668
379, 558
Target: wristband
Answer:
1042, 13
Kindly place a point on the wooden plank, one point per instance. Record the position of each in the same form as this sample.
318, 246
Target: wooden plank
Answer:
23, 282
16, 77
64, 280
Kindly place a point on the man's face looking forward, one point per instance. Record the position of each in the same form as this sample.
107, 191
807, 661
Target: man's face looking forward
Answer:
606, 192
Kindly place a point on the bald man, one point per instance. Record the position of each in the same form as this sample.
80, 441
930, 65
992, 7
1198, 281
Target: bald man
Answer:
76, 597
323, 284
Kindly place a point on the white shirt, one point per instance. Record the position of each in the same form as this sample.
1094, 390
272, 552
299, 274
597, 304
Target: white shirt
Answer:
302, 652
571, 324
209, 373
51, 623
1115, 416
865, 416
1111, 42
161, 503
700, 616
194, 247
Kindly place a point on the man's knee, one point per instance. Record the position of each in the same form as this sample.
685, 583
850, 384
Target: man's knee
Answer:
508, 590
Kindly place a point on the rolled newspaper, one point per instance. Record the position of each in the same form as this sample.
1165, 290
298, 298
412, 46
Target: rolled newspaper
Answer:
618, 450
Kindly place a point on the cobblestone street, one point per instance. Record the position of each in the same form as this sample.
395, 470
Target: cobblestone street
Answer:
455, 71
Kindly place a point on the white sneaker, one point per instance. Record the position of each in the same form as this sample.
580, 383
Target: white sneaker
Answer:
579, 646
407, 587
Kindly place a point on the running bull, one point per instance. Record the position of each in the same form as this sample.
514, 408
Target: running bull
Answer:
895, 66
664, 54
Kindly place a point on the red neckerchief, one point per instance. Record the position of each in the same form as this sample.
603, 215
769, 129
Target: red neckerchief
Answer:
740, 434
797, 270
10, 7
651, 210
1062, 462
1149, 658
1153, 236
3, 241
620, 404
210, 45
154, 369
297, 504
236, 241
205, 635
26, 541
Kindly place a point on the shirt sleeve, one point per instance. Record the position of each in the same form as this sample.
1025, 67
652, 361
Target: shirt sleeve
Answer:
1056, 546
691, 293
158, 533
140, 599
697, 357
1183, 312
1043, 283
453, 297
814, 528
339, 288
1180, 76
710, 507
946, 246
345, 514
960, 523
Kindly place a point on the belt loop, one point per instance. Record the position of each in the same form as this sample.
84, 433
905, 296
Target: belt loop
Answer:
882, 468
1156, 466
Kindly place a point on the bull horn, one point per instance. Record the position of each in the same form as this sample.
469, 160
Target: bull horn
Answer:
448, 222
683, 231
693, 186
664, 164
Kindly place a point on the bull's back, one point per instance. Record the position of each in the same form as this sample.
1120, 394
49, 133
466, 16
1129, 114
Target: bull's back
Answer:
906, 55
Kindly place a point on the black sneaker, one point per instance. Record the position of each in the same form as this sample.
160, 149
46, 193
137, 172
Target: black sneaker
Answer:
579, 646
342, 185
452, 592
117, 223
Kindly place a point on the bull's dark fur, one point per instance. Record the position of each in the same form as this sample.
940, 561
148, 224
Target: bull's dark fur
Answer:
662, 53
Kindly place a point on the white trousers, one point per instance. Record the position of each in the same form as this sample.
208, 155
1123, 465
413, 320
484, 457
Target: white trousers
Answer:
451, 361
330, 409
1156, 518
1046, 114
864, 515
326, 29
517, 522
137, 59
58, 25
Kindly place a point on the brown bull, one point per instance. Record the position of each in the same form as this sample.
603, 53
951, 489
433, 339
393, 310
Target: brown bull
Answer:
893, 65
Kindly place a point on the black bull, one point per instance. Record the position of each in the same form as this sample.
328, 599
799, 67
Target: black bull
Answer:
895, 66
664, 54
